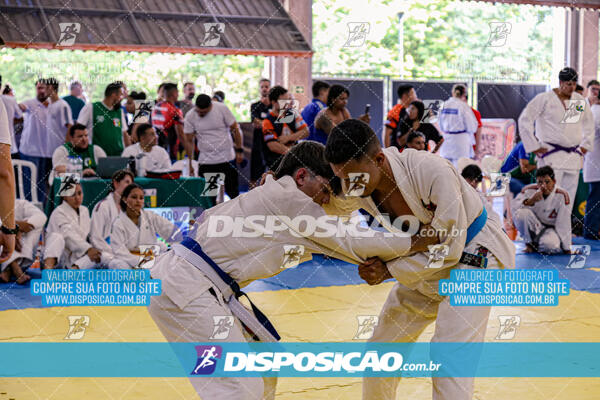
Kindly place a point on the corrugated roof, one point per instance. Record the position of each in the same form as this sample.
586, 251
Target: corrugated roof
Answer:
589, 4
253, 27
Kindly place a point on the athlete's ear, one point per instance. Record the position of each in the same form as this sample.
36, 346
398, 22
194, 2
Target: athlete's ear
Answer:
300, 176
379, 158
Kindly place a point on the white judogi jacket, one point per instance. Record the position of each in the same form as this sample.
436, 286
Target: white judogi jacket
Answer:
247, 259
74, 227
103, 216
458, 124
438, 195
552, 211
546, 111
126, 237
26, 211
591, 163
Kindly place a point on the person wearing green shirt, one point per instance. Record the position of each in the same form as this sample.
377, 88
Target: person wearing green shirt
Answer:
105, 121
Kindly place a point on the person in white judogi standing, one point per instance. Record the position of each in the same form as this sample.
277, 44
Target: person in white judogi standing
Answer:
564, 130
428, 187
458, 125
67, 233
542, 215
193, 291
107, 210
30, 221
135, 228
154, 157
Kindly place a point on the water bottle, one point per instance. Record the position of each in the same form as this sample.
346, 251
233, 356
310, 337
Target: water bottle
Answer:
79, 166
75, 165
186, 167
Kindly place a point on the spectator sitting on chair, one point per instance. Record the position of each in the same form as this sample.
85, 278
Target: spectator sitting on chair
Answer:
542, 215
521, 166
415, 140
30, 221
105, 121
156, 158
77, 146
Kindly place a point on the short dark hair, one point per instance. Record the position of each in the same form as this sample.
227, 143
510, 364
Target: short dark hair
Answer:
276, 92
593, 82
168, 88
411, 136
119, 175
350, 140
75, 127
137, 95
112, 88
579, 87
203, 101
264, 80
318, 86
403, 89
336, 91
40, 80
74, 83
545, 171
187, 84
126, 193
220, 95
307, 154
52, 82
142, 128
567, 74
472, 172
459, 90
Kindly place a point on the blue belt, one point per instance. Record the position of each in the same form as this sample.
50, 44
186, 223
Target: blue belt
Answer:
192, 245
476, 226
455, 132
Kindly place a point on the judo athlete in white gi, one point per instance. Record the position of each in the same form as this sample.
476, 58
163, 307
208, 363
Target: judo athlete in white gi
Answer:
458, 125
67, 236
427, 186
542, 215
107, 210
564, 130
135, 227
193, 292
30, 221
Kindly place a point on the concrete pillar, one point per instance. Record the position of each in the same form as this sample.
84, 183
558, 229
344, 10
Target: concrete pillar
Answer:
581, 41
296, 73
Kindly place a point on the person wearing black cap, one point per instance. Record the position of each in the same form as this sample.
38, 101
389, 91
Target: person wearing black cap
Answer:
564, 130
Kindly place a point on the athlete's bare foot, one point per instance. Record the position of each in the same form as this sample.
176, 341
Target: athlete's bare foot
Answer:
529, 248
5, 275
50, 263
22, 277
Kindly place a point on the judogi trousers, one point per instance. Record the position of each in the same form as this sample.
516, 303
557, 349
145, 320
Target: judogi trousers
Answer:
405, 315
194, 323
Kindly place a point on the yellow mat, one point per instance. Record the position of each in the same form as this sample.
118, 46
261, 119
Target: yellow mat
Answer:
308, 314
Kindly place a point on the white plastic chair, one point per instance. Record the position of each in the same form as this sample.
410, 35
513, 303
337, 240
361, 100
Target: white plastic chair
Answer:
18, 166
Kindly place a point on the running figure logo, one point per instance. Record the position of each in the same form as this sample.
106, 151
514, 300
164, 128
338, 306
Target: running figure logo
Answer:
68, 182
357, 183
143, 111
77, 326
432, 110
499, 32
357, 33
212, 33
148, 254
508, 326
222, 326
287, 111
437, 254
214, 181
499, 184
579, 254
207, 359
68, 33
291, 255
573, 112
366, 326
